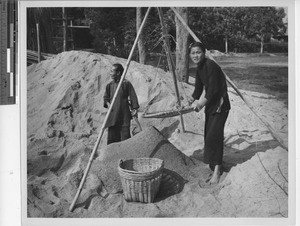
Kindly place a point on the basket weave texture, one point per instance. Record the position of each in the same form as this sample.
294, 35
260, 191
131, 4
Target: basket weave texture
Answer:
140, 178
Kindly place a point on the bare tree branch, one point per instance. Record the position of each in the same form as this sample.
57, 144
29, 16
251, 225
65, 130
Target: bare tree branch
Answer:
281, 172
270, 176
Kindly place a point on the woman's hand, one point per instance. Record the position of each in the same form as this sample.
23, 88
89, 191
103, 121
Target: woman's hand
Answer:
190, 100
134, 113
198, 105
106, 105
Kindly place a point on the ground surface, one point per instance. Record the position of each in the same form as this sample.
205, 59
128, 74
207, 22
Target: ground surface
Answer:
65, 114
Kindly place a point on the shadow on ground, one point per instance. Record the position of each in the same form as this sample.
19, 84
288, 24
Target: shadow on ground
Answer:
233, 157
171, 184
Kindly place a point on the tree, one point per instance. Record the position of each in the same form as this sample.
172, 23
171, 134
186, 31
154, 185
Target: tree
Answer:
50, 24
41, 16
216, 25
209, 23
201, 21
182, 62
226, 23
109, 29
264, 22
141, 43
115, 29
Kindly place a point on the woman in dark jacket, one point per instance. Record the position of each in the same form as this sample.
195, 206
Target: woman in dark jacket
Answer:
118, 122
210, 81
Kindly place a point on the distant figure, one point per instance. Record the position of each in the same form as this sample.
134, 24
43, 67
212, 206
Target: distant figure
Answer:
122, 112
210, 80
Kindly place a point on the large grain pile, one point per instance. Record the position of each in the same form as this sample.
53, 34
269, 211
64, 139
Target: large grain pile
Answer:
65, 112
149, 143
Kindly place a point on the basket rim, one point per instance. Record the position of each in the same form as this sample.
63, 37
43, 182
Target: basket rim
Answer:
141, 173
141, 158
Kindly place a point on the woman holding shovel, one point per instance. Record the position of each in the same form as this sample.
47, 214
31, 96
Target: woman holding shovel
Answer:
211, 92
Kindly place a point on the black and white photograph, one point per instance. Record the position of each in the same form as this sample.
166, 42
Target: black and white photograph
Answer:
157, 111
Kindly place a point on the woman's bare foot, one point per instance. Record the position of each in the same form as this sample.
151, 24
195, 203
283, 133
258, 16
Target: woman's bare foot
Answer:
216, 175
208, 178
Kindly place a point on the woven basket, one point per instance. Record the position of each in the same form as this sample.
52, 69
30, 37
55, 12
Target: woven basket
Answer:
140, 178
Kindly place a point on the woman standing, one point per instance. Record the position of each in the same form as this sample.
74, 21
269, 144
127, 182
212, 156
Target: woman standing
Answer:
118, 122
210, 80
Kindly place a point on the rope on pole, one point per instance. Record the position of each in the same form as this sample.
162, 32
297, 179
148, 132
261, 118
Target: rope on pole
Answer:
274, 134
108, 113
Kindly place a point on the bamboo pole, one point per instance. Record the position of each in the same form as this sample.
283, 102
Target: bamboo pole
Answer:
64, 19
170, 63
273, 132
141, 43
38, 42
108, 113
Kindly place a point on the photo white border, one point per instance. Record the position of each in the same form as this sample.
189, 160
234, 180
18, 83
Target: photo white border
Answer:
18, 114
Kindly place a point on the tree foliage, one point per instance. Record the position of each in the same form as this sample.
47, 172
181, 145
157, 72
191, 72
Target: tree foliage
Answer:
41, 16
50, 24
114, 29
264, 21
110, 28
213, 24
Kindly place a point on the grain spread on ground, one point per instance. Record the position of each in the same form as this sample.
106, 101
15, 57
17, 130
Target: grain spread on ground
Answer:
65, 114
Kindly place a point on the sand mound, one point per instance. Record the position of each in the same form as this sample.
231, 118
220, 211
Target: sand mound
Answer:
65, 99
258, 187
65, 112
65, 94
148, 143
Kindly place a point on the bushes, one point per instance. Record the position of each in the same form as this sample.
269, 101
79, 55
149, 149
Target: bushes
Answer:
276, 47
242, 46
247, 46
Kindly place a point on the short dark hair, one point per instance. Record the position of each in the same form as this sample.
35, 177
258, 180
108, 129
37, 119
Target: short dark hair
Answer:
199, 44
119, 68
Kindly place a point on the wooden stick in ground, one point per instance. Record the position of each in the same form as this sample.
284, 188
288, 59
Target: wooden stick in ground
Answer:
170, 63
273, 132
108, 113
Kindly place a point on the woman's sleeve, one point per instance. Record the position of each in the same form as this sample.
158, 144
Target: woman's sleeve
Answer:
133, 97
198, 87
213, 89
